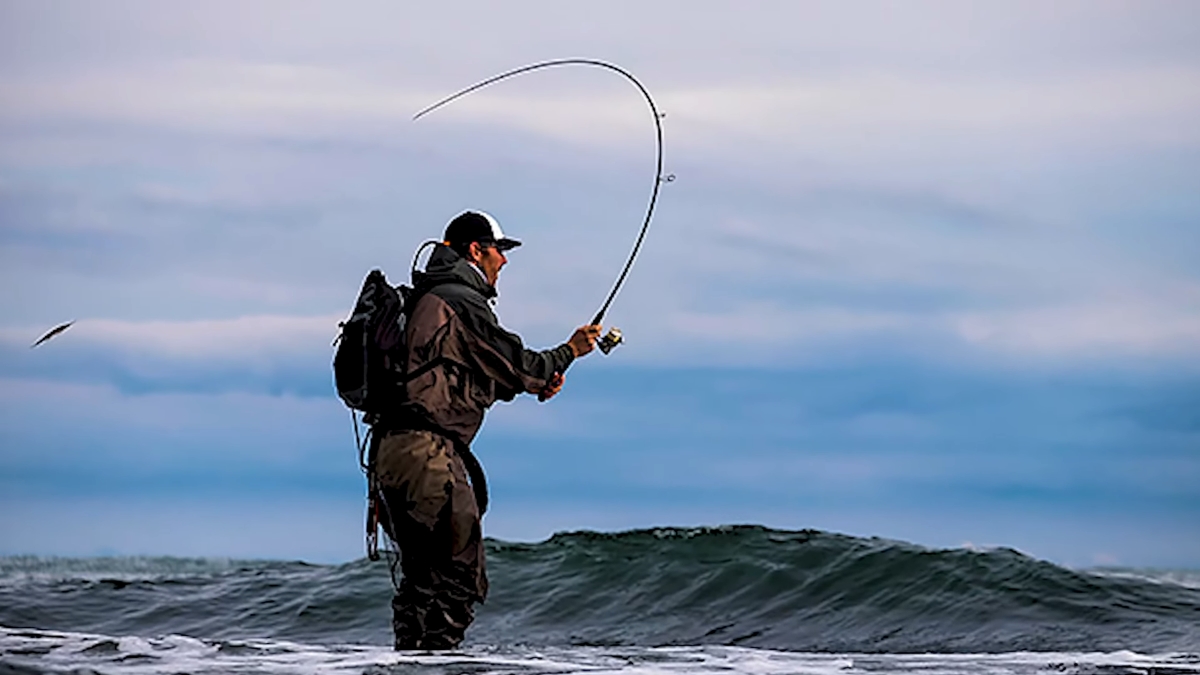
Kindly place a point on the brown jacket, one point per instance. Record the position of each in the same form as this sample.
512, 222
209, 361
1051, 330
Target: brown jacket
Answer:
460, 359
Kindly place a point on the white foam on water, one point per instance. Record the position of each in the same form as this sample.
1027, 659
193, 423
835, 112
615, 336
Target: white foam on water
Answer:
62, 652
1185, 578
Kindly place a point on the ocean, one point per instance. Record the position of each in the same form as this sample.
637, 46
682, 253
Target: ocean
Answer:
742, 599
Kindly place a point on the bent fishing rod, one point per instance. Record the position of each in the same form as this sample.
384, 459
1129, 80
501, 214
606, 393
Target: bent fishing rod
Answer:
608, 342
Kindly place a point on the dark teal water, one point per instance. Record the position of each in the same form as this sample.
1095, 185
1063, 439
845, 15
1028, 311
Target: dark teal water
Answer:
748, 586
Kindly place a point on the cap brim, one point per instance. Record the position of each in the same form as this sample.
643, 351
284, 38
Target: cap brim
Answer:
506, 244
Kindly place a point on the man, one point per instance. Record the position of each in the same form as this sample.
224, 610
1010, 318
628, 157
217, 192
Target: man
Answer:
460, 362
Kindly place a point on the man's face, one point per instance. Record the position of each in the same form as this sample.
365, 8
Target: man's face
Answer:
489, 259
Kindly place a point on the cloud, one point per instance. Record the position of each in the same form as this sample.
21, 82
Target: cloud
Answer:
229, 97
309, 527
251, 337
261, 354
1136, 326
882, 431
937, 256
1065, 334
869, 114
272, 353
94, 439
859, 189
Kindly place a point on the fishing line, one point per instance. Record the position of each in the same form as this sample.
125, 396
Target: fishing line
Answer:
659, 178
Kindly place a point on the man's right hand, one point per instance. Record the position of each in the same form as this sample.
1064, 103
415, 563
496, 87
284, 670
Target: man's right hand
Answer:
583, 340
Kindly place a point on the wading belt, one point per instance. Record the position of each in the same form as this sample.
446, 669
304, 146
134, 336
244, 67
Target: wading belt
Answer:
473, 468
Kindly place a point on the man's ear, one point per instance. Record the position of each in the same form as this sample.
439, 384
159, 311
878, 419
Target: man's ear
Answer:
474, 252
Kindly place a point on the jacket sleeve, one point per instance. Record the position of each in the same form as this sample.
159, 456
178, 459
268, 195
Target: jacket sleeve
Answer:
534, 368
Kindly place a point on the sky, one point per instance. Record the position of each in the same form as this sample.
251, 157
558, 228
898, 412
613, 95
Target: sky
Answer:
929, 271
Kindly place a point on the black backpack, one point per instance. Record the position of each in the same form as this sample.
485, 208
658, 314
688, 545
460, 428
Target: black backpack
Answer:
368, 366
369, 369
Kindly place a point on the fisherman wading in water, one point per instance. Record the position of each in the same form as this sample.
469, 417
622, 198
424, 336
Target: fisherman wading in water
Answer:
431, 488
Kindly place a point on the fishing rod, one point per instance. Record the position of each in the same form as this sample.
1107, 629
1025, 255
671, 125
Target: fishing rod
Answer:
613, 338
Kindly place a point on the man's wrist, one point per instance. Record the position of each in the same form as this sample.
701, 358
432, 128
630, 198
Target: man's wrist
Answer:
568, 352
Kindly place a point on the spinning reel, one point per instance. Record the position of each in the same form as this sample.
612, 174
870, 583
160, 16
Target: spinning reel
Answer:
610, 340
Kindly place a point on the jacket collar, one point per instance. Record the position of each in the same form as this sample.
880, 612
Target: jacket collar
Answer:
445, 266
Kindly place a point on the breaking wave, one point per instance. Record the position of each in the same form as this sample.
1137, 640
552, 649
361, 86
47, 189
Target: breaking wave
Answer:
743, 586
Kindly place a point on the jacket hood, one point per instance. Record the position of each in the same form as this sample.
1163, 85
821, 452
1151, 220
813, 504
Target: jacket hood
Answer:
446, 266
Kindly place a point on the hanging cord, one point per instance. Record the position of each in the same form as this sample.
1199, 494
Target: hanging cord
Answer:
360, 442
412, 274
659, 179
366, 463
391, 549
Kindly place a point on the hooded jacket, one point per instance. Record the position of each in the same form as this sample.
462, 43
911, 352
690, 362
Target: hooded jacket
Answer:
460, 359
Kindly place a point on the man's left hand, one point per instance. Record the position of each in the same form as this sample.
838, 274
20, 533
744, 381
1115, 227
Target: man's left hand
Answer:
554, 386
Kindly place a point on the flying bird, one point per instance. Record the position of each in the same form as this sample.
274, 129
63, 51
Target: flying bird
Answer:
52, 332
